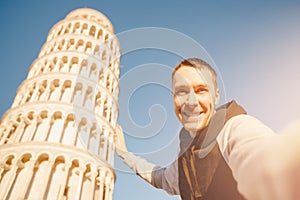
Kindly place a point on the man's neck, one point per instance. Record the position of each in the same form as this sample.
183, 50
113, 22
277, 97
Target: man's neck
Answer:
193, 133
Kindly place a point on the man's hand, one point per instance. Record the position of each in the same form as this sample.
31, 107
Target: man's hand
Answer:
119, 140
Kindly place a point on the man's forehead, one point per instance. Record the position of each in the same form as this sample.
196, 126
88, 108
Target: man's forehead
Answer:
190, 74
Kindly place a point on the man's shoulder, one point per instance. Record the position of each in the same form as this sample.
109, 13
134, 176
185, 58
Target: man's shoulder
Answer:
242, 119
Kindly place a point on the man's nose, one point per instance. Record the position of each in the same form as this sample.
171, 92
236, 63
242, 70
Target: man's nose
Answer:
192, 99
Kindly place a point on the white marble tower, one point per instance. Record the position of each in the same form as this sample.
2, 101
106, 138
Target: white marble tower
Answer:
56, 141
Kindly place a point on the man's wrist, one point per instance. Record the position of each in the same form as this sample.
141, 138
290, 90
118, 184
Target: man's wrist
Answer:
121, 153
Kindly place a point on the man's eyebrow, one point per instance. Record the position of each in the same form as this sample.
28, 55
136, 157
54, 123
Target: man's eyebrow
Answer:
180, 86
201, 85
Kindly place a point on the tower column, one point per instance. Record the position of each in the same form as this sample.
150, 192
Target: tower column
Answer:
64, 180
6, 133
46, 182
28, 176
19, 130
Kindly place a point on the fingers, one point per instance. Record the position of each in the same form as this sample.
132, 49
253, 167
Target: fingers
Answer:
119, 140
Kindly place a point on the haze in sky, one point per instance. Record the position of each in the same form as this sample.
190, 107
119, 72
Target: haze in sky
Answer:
253, 45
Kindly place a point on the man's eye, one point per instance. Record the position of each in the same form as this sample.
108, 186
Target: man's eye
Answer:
201, 90
181, 92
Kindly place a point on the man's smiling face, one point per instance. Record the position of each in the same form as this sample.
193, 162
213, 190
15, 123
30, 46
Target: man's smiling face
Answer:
194, 97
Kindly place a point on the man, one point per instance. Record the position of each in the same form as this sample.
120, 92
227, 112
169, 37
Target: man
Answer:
219, 148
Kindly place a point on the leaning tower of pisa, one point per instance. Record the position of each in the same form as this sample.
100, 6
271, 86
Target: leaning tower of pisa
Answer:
56, 141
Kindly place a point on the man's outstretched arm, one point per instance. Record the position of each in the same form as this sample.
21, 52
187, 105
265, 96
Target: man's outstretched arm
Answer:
163, 178
266, 165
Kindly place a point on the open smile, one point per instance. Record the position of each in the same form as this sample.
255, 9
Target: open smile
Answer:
192, 114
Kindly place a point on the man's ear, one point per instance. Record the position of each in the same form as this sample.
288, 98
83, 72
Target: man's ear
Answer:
176, 109
217, 97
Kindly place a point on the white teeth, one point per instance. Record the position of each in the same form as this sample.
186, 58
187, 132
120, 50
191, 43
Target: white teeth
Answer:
193, 114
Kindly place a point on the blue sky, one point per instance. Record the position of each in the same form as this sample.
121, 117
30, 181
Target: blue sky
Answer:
255, 46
